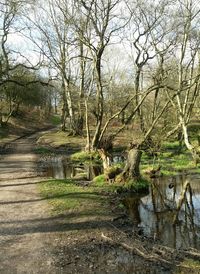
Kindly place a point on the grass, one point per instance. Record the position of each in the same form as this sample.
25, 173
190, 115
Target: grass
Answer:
189, 266
42, 150
170, 145
166, 172
60, 138
138, 186
55, 120
99, 180
65, 195
84, 156
171, 161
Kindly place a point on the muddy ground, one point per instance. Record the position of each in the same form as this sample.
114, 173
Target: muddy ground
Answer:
34, 241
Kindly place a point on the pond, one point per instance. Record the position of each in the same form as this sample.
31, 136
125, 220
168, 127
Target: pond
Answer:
62, 168
155, 215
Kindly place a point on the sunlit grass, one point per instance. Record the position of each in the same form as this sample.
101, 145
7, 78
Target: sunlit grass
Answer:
141, 185
188, 266
170, 161
84, 156
99, 180
137, 186
171, 145
65, 195
60, 138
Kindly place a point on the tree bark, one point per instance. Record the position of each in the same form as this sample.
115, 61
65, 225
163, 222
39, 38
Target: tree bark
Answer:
81, 92
99, 98
132, 168
64, 109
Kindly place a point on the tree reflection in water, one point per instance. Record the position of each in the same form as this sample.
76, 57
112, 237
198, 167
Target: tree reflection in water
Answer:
171, 211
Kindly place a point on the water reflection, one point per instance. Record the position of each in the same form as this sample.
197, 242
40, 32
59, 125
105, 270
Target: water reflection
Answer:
61, 168
171, 211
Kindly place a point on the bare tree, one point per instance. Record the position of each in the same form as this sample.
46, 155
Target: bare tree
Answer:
57, 43
95, 31
187, 70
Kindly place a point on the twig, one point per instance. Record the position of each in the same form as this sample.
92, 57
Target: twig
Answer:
137, 251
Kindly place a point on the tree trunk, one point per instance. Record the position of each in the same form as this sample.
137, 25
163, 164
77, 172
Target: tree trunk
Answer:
69, 102
132, 168
87, 148
189, 146
81, 93
95, 140
55, 106
137, 90
76, 125
99, 103
64, 108
106, 158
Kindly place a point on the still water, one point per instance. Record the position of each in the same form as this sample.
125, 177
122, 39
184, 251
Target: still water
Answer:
154, 215
61, 168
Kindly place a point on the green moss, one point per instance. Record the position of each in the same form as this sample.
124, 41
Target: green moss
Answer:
84, 156
99, 180
196, 170
138, 186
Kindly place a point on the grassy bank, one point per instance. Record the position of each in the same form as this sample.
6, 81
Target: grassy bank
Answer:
171, 159
66, 195
58, 139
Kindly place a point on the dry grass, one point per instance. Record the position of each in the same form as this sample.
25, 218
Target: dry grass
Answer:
56, 139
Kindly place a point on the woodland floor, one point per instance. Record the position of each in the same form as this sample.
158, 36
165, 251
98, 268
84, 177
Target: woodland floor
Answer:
34, 241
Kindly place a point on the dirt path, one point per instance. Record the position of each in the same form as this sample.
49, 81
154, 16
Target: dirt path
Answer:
31, 240
25, 248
